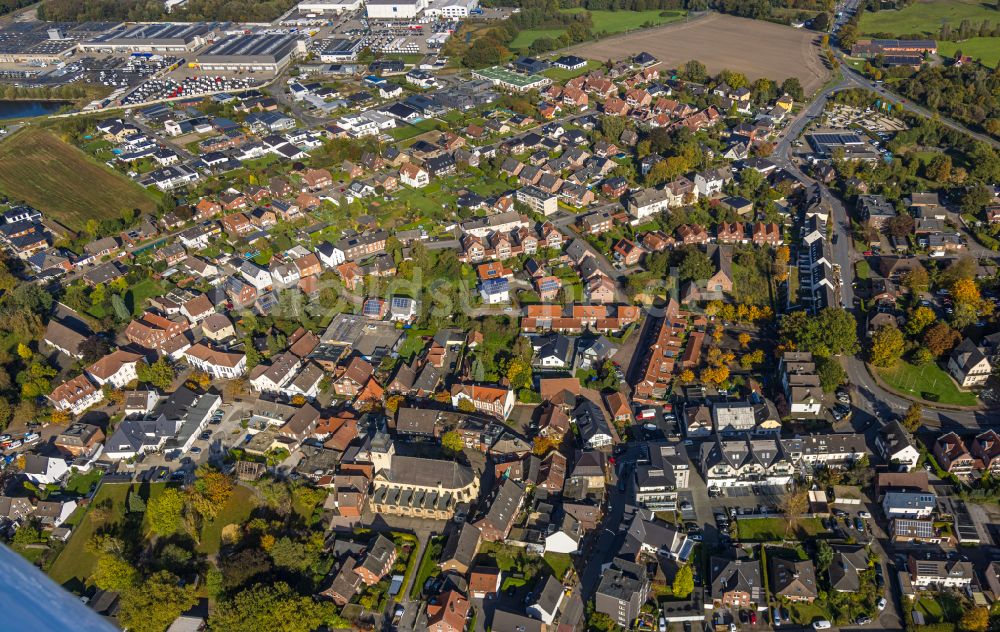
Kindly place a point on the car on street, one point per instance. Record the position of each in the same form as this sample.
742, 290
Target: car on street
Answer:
205, 436
662, 624
882, 603
862, 620
864, 514
195, 450
822, 624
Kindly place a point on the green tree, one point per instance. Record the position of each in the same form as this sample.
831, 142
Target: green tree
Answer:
793, 88
887, 345
695, 71
831, 374
452, 442
920, 319
831, 332
156, 603
268, 608
612, 127
683, 582
913, 417
164, 511
113, 572
824, 555
519, 373
695, 265
160, 374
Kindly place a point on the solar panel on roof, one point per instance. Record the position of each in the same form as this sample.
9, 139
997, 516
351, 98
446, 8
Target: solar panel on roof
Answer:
372, 307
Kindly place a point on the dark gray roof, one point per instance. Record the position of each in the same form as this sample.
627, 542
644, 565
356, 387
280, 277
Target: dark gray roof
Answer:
462, 545
412, 470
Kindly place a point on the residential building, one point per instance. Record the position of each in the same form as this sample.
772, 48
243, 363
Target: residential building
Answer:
378, 560
939, 571
897, 446
117, 369
912, 505
492, 400
794, 580
622, 591
969, 365
658, 480
76, 395
545, 604
735, 580
952, 455
496, 524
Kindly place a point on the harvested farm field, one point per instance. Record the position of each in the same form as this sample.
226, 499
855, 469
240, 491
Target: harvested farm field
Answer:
753, 47
67, 185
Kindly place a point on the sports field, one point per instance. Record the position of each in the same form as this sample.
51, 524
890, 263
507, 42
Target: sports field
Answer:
925, 17
753, 47
67, 185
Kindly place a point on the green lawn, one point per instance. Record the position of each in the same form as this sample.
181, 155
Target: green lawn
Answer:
926, 17
563, 74
236, 511
613, 22
406, 132
428, 565
928, 382
141, 292
806, 613
560, 563
985, 49
773, 529
80, 484
526, 38
75, 564
605, 22
931, 610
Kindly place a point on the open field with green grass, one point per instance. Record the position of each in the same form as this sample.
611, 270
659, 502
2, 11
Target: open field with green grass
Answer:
774, 529
612, 22
63, 182
563, 74
138, 294
81, 483
608, 22
926, 17
526, 38
236, 511
985, 49
75, 564
928, 382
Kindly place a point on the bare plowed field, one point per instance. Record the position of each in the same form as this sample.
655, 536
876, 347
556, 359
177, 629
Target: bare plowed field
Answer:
755, 48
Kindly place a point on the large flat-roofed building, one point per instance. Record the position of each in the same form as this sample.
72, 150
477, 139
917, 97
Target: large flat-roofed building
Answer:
337, 49
329, 6
394, 9
450, 8
870, 49
160, 37
508, 80
268, 52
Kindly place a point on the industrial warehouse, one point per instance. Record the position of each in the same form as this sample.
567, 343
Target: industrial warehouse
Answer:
166, 37
254, 53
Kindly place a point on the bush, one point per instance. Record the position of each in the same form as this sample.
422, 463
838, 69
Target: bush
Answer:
528, 396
